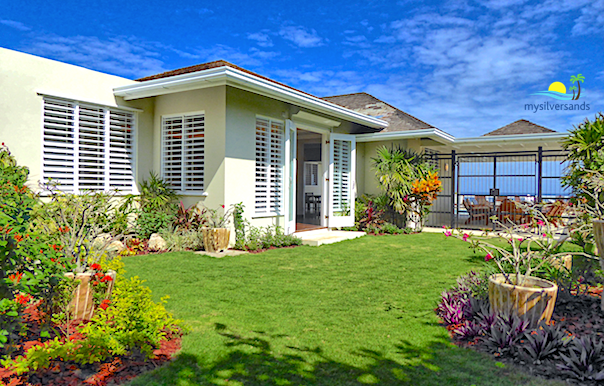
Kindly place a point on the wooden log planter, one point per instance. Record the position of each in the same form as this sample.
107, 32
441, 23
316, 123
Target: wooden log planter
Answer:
535, 299
216, 239
82, 304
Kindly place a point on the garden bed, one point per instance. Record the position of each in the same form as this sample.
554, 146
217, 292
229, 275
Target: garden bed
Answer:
570, 347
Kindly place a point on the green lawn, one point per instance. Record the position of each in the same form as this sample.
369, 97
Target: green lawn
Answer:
355, 313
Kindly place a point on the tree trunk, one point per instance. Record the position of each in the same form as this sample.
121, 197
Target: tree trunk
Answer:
579, 92
599, 236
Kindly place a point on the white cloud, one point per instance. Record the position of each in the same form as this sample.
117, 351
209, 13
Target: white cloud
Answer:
301, 36
126, 56
252, 57
15, 24
261, 38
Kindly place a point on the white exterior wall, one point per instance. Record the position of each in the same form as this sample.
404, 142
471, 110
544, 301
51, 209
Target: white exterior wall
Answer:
23, 76
240, 163
212, 102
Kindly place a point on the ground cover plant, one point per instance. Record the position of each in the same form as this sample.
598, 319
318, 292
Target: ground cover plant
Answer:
352, 313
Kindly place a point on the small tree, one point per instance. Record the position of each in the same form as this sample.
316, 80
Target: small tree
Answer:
404, 175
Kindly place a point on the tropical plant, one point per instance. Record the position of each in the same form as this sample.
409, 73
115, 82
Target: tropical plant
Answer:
577, 79
532, 245
218, 218
545, 342
156, 192
505, 334
585, 359
585, 147
191, 218
396, 170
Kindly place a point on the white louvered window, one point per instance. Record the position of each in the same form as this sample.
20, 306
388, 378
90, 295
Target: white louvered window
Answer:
341, 175
269, 167
183, 152
311, 173
87, 147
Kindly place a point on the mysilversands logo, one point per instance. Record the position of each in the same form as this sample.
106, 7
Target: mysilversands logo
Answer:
557, 90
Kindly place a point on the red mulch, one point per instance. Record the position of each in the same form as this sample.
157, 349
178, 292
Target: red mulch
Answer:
114, 371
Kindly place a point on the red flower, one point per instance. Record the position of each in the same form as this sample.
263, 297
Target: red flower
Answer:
105, 303
107, 278
22, 298
222, 206
95, 283
488, 257
96, 267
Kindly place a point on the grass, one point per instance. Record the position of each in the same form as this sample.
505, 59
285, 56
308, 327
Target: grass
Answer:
358, 312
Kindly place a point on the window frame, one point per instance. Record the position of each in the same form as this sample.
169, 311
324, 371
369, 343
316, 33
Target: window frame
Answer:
107, 110
182, 192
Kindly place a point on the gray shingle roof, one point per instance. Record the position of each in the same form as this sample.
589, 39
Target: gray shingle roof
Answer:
521, 126
368, 104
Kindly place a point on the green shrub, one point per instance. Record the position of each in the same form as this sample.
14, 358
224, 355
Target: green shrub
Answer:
182, 240
157, 207
266, 237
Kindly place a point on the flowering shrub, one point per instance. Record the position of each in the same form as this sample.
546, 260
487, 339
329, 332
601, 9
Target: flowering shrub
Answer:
425, 191
527, 247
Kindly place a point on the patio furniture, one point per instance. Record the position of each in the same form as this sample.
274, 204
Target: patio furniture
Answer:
509, 211
312, 201
554, 212
477, 212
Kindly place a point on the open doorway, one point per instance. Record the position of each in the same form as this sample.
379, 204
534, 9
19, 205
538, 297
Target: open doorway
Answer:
309, 180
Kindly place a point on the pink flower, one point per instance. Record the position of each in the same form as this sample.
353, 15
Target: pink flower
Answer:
448, 233
520, 239
525, 226
488, 257
544, 235
540, 223
465, 237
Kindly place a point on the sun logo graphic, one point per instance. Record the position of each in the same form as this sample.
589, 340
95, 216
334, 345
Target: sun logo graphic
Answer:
557, 90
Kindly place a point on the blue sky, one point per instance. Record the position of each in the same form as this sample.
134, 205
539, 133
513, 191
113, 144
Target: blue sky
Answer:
466, 67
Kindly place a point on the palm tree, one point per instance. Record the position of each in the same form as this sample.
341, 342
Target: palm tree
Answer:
573, 88
578, 79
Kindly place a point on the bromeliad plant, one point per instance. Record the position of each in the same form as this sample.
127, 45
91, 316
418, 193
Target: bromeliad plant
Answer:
524, 248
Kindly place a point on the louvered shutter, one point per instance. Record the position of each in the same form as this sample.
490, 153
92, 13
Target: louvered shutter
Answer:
120, 171
183, 154
341, 175
262, 166
311, 173
59, 143
87, 147
269, 167
277, 203
91, 148
194, 149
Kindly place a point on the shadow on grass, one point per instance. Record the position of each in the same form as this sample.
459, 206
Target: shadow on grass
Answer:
252, 362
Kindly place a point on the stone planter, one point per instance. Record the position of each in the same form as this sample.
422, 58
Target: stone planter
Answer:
216, 239
535, 299
82, 304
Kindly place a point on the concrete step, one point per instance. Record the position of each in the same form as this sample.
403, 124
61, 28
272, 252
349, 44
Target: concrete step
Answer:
324, 236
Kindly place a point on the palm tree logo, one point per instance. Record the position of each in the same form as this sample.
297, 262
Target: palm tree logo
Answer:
557, 90
577, 79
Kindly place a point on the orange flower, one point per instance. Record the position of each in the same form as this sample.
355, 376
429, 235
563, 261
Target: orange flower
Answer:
15, 277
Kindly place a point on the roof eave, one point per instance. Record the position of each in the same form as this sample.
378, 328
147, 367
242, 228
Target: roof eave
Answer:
512, 138
242, 80
434, 134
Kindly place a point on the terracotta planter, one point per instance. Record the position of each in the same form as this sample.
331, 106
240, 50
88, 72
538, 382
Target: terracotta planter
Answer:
216, 239
82, 304
535, 299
